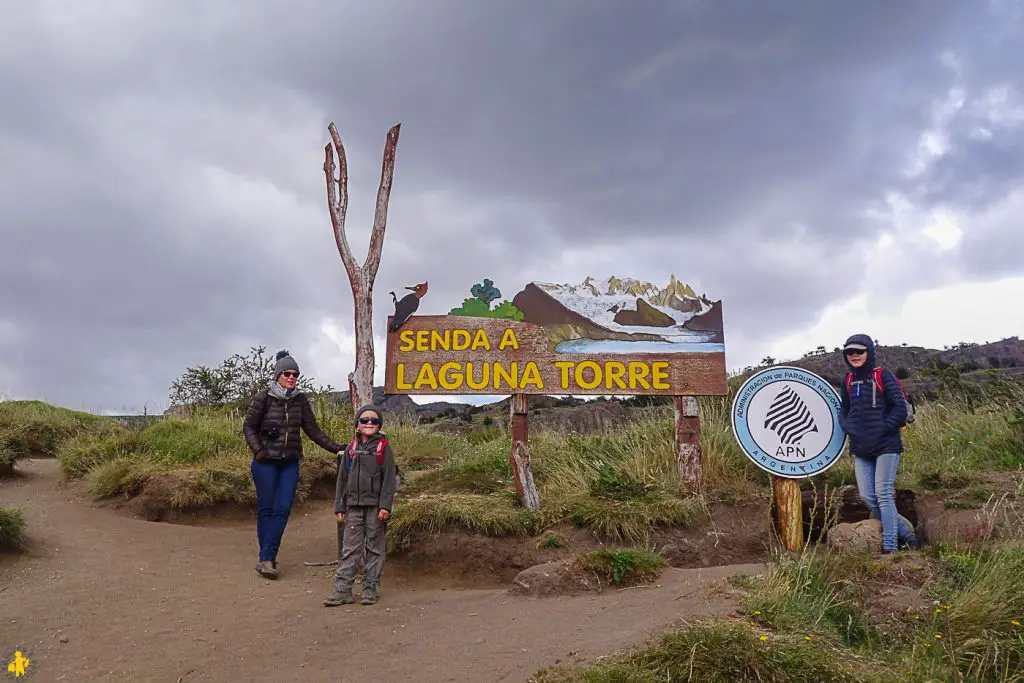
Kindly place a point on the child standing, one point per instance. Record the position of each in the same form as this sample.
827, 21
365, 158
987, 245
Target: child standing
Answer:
872, 417
364, 495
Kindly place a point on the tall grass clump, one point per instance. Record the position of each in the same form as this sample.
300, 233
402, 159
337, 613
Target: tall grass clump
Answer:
956, 441
12, 529
201, 460
977, 627
720, 651
821, 617
37, 429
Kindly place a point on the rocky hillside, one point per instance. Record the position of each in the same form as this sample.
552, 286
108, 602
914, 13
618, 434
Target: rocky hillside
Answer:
916, 366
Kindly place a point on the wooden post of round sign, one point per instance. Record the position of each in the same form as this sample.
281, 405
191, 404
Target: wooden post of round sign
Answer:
789, 512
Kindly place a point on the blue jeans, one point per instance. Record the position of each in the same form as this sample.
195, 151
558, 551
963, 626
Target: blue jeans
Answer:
276, 483
876, 482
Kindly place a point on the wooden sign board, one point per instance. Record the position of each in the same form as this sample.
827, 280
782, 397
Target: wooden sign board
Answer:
619, 337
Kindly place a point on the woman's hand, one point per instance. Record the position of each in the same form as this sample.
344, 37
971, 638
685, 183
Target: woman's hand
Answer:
383, 515
340, 516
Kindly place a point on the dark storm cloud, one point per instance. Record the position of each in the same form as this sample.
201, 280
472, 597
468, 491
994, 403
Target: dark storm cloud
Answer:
162, 182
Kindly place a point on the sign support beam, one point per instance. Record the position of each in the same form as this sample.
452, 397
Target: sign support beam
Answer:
688, 455
789, 512
519, 457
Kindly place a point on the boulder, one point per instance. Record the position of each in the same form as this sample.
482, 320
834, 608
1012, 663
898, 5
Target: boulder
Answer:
843, 506
856, 537
550, 579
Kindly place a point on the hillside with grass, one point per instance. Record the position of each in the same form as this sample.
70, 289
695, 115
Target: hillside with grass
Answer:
617, 480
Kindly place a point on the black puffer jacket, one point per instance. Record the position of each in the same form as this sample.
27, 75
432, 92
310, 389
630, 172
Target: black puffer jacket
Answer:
272, 427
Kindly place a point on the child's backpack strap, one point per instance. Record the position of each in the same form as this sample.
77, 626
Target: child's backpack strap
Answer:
379, 450
351, 455
849, 379
877, 375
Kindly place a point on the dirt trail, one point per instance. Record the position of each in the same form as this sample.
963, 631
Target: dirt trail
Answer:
144, 601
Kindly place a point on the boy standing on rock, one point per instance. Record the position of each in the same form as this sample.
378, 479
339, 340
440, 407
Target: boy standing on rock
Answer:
873, 412
364, 495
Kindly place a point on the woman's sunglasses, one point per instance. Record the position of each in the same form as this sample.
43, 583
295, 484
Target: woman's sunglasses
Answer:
369, 421
290, 374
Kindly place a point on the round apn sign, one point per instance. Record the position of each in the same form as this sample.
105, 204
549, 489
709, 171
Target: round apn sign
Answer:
786, 420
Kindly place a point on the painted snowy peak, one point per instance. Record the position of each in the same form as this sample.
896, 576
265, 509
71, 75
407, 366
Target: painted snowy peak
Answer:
621, 309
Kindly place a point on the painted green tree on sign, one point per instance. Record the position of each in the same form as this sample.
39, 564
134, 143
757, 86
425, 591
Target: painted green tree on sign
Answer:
479, 305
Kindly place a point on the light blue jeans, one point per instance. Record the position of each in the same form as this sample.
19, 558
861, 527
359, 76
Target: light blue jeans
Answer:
876, 482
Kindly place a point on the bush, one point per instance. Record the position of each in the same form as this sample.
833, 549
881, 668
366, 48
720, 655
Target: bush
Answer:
622, 567
12, 529
37, 429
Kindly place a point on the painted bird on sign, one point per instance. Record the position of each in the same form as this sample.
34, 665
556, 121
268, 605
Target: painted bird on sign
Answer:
405, 307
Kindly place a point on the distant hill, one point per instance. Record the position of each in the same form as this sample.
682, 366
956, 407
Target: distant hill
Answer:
913, 364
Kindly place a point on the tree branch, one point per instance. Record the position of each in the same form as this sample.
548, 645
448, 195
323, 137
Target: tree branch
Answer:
380, 218
337, 199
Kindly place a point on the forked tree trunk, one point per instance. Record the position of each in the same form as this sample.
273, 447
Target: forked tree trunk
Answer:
360, 277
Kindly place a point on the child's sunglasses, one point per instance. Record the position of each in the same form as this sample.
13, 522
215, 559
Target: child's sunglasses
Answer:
369, 421
290, 374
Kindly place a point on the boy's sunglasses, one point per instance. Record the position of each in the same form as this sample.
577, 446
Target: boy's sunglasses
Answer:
369, 421
855, 352
290, 374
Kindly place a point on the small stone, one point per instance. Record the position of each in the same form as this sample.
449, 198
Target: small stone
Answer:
65, 639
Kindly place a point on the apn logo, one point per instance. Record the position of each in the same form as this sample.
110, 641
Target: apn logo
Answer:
789, 417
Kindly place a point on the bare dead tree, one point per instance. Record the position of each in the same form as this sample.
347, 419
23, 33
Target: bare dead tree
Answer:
360, 382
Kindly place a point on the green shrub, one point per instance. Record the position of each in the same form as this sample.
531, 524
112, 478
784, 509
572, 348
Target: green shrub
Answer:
12, 529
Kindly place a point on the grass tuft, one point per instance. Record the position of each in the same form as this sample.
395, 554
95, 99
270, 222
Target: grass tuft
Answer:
496, 514
720, 651
12, 529
621, 567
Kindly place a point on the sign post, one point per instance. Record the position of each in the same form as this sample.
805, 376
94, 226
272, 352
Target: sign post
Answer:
786, 420
614, 337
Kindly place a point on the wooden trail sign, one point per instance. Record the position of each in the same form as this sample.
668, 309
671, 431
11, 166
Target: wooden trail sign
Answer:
611, 337
786, 420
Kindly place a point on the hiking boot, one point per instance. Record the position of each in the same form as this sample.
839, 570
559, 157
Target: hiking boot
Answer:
267, 569
369, 594
338, 598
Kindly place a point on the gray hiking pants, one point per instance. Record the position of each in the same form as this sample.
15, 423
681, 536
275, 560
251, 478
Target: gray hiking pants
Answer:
366, 539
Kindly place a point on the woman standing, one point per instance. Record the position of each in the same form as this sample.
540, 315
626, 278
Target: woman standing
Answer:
872, 414
272, 431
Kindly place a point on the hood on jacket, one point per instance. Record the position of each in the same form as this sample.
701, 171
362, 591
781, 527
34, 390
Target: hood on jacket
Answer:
366, 408
863, 341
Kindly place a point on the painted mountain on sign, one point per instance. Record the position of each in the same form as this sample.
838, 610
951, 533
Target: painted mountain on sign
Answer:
623, 315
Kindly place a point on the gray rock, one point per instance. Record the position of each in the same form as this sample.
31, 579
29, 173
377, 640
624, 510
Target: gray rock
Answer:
858, 537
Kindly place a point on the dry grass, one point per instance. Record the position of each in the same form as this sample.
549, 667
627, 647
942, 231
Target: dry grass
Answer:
807, 619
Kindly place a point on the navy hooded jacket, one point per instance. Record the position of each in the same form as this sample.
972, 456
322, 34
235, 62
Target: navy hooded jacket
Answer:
872, 419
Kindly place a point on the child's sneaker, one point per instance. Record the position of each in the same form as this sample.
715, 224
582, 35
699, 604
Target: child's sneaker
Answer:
369, 594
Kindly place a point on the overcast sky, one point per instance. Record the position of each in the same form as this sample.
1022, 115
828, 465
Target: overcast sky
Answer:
823, 167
